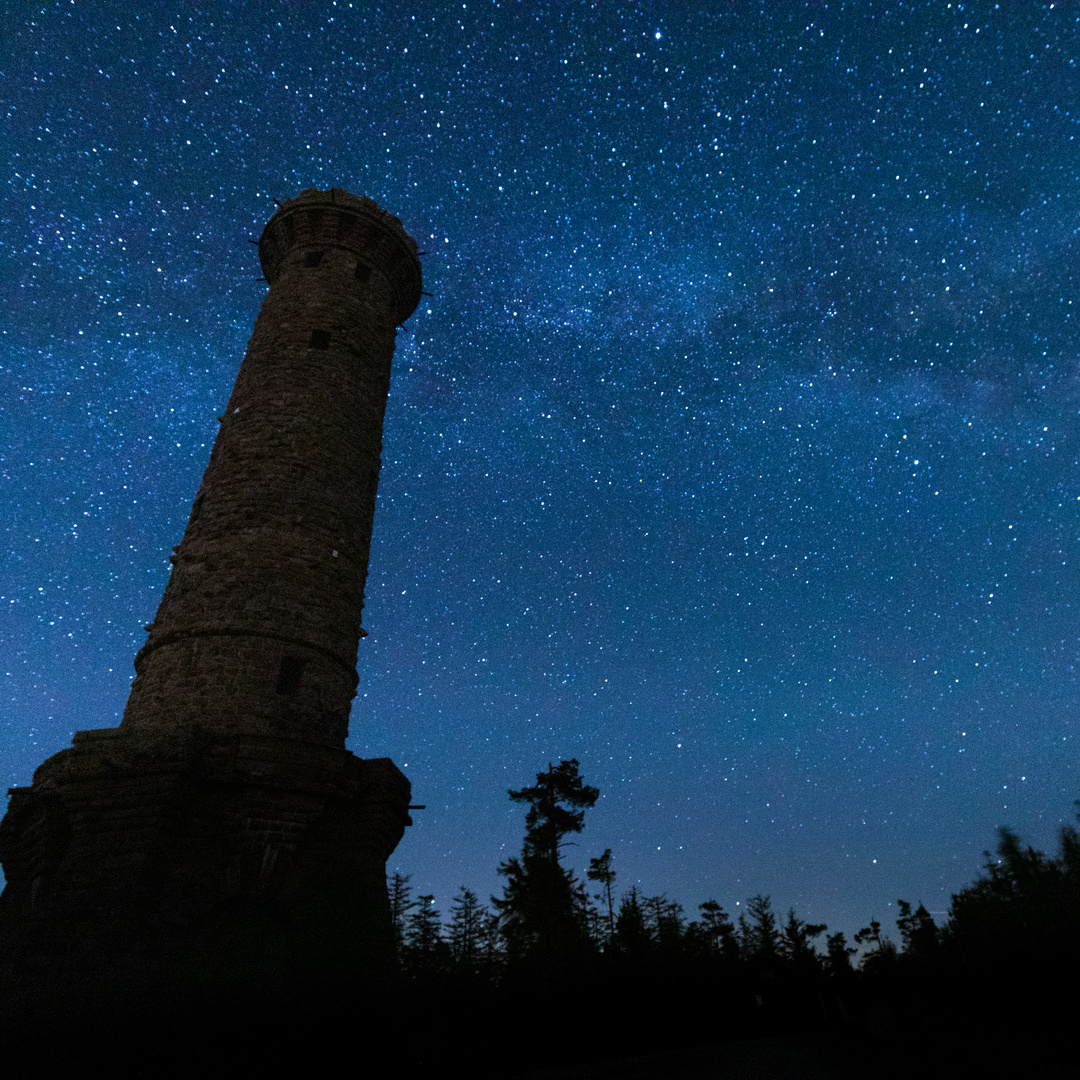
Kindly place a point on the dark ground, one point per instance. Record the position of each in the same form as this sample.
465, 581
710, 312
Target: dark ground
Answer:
660, 1033
758, 1059
840, 1056
355, 1048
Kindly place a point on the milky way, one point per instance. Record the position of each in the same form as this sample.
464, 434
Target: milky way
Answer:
734, 453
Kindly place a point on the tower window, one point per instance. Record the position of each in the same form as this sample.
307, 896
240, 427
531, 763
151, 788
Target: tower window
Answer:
289, 674
363, 272
312, 259
320, 339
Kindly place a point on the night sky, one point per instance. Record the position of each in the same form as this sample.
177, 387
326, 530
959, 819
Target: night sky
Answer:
734, 455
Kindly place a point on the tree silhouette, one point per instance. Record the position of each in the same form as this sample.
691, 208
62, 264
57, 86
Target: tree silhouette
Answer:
400, 905
717, 931
918, 932
759, 936
541, 911
796, 943
490, 942
466, 929
600, 870
839, 954
1025, 904
557, 805
631, 934
871, 934
589, 915
664, 921
425, 949
883, 951
1011, 942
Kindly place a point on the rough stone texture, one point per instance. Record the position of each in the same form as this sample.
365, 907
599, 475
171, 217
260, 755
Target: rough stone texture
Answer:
259, 623
222, 835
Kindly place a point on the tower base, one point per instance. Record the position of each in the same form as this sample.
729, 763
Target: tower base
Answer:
148, 873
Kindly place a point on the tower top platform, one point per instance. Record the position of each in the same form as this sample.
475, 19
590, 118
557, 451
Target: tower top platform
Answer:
336, 218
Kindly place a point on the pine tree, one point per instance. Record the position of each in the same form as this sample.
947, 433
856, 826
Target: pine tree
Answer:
839, 954
631, 934
883, 951
541, 916
600, 870
797, 941
425, 949
557, 805
717, 930
759, 936
466, 929
664, 921
589, 915
870, 934
490, 942
400, 906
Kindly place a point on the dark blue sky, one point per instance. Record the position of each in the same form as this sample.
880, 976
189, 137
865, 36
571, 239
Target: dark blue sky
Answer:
735, 454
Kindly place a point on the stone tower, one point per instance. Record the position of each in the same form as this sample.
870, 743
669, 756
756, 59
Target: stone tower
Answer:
223, 835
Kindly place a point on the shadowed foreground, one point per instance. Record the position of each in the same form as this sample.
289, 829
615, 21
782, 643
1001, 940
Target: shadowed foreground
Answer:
403, 1037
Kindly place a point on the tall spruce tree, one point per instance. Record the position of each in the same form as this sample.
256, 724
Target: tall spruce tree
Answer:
759, 935
631, 934
425, 949
541, 915
401, 904
466, 929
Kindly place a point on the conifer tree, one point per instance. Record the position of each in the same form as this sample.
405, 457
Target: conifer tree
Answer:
631, 934
717, 930
883, 951
600, 871
918, 932
664, 921
425, 949
466, 928
399, 891
839, 954
797, 940
588, 914
490, 942
542, 917
759, 936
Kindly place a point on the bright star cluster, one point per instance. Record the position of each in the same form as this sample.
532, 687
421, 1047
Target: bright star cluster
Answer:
735, 452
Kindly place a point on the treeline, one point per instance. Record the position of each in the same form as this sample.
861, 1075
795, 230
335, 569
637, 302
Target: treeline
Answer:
476, 941
651, 976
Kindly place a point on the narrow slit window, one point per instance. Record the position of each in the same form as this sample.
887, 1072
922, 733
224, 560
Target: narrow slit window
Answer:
312, 259
320, 339
363, 272
289, 674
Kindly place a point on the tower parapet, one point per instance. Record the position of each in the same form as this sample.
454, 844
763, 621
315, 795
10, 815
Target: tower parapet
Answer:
320, 220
